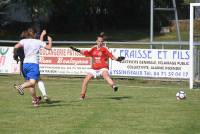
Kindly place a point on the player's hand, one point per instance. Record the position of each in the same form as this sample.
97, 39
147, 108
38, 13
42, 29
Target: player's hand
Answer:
121, 58
75, 49
44, 32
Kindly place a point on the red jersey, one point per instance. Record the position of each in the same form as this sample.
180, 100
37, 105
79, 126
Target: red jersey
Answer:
99, 56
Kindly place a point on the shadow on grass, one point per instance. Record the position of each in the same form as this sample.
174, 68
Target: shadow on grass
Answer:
58, 103
110, 97
55, 103
120, 97
51, 103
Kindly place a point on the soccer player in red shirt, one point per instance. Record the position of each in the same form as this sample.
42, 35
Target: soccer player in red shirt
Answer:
100, 55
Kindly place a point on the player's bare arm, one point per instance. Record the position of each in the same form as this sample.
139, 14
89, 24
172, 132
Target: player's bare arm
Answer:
42, 35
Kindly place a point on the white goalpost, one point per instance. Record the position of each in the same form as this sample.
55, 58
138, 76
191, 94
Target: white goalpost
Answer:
191, 42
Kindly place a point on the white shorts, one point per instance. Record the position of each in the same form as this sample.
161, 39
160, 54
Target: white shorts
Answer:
97, 73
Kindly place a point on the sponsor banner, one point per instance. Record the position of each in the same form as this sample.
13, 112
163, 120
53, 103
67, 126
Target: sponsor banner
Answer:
7, 63
151, 63
139, 62
63, 61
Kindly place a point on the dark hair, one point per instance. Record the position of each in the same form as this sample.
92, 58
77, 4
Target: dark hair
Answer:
24, 34
102, 34
99, 36
29, 33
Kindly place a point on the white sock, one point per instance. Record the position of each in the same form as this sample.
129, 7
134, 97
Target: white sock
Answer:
42, 88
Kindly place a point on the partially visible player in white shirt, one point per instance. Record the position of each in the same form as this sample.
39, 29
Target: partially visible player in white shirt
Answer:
40, 82
31, 62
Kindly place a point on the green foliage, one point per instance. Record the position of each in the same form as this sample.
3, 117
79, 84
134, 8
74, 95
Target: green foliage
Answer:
188, 1
37, 7
4, 2
98, 15
43, 6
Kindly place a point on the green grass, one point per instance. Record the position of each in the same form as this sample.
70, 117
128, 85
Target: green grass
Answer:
140, 107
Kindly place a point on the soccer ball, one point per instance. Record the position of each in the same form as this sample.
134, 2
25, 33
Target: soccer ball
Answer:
180, 95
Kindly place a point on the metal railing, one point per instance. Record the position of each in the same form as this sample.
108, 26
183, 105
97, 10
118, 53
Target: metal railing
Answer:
118, 42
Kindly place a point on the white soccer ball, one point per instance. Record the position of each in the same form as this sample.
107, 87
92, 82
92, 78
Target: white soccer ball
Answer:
180, 95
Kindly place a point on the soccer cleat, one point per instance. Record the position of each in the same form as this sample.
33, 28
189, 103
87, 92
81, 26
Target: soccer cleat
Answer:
82, 97
19, 89
36, 101
46, 98
115, 88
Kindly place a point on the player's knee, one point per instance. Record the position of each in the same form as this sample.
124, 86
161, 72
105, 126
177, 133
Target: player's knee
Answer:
86, 80
105, 75
32, 82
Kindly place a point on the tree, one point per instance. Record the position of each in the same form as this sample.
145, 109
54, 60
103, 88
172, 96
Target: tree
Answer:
3, 5
93, 15
36, 9
188, 1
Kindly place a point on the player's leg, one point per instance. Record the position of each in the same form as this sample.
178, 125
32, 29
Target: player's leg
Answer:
32, 92
31, 73
27, 84
42, 89
35, 99
88, 77
106, 76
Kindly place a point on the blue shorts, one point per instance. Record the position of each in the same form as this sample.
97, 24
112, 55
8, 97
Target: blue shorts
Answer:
31, 71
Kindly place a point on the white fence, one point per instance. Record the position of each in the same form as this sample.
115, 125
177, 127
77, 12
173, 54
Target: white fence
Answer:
178, 68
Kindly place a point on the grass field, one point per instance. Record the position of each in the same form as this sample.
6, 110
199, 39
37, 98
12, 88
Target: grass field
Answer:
140, 107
